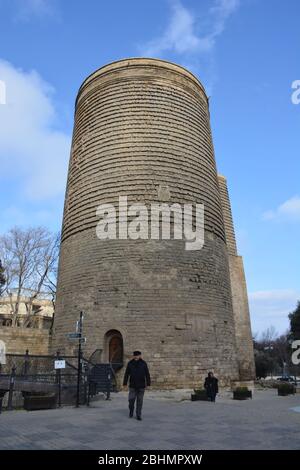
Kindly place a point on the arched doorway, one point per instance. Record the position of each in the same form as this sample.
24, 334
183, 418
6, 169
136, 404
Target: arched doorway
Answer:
114, 348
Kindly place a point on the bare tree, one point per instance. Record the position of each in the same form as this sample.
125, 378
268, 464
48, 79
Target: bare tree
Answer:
2, 278
269, 336
29, 258
272, 352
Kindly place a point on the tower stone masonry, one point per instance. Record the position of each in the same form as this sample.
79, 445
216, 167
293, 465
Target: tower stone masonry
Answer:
142, 130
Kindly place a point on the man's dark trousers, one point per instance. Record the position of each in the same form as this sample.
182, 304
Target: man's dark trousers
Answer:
212, 397
138, 395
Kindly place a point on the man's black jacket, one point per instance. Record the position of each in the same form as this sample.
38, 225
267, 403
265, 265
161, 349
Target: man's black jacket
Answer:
138, 374
211, 385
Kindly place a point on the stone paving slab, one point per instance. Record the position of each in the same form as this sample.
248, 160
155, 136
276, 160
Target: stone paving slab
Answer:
169, 422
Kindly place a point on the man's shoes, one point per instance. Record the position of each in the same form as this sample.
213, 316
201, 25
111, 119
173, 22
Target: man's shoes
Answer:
139, 418
130, 414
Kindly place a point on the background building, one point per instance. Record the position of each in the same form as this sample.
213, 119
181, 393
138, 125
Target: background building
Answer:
40, 317
31, 331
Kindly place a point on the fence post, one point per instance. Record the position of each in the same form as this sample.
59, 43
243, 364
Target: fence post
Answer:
108, 385
11, 388
88, 394
2, 393
79, 366
86, 384
26, 362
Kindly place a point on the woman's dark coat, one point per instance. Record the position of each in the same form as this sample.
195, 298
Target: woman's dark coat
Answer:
211, 386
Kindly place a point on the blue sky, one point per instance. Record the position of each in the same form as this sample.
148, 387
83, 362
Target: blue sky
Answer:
246, 53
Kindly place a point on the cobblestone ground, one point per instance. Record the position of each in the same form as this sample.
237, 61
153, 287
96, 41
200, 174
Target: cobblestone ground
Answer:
266, 422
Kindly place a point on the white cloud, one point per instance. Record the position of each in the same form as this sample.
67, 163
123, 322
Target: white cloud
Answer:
181, 34
274, 295
33, 154
289, 210
222, 10
271, 307
28, 9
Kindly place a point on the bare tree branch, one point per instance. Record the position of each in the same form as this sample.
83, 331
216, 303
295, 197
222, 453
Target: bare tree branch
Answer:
29, 258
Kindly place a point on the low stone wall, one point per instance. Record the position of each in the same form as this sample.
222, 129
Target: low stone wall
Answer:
17, 340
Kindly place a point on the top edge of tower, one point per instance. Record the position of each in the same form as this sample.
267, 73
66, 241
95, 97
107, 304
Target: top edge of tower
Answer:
143, 62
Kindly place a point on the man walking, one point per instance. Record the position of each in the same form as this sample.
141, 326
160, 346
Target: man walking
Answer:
138, 373
211, 386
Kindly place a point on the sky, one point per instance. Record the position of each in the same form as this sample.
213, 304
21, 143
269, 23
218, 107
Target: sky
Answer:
246, 54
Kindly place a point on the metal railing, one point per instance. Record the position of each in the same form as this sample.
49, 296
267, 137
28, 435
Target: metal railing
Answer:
35, 372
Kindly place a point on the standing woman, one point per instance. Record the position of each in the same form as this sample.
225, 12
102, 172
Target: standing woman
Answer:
211, 386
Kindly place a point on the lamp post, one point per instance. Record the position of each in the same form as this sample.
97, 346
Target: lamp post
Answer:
79, 326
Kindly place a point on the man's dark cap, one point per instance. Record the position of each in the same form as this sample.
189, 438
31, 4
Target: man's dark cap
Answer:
137, 353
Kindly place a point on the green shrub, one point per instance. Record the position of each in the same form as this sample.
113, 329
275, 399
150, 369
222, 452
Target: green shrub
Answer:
200, 391
242, 393
242, 390
286, 388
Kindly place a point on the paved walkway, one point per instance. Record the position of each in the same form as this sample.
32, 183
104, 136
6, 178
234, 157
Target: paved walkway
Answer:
266, 422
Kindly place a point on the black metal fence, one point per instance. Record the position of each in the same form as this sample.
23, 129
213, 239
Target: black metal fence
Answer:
35, 375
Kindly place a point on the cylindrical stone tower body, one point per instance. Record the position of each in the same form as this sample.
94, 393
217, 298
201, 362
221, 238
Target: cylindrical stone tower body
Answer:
142, 130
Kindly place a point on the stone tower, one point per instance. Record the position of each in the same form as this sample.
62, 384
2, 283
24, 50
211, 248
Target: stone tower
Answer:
142, 130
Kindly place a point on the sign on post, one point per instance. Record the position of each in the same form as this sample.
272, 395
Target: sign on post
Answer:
74, 335
60, 364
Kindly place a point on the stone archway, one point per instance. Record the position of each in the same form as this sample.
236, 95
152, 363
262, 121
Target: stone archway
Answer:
114, 349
